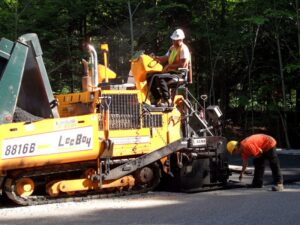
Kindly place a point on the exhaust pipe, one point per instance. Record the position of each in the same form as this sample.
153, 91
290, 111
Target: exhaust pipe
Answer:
94, 59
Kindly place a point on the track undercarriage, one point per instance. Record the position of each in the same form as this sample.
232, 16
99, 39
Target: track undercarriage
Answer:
64, 183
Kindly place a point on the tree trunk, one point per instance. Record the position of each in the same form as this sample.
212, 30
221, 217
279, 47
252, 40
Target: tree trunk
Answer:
131, 27
250, 81
213, 65
298, 29
16, 22
282, 116
131, 14
298, 25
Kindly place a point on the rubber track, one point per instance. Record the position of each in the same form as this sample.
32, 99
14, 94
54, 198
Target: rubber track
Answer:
40, 200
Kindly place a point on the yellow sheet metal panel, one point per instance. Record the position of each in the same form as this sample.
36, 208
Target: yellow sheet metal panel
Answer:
174, 125
102, 71
146, 140
143, 65
140, 68
169, 132
73, 104
127, 92
65, 99
49, 141
130, 142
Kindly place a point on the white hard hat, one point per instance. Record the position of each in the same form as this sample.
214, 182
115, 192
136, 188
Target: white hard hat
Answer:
178, 35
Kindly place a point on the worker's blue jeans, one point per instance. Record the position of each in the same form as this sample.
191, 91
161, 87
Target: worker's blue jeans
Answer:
259, 168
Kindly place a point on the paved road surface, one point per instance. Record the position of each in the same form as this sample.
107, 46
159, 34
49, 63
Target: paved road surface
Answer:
235, 205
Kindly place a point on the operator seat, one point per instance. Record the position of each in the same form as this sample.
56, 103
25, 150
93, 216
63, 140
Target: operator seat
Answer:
175, 79
178, 78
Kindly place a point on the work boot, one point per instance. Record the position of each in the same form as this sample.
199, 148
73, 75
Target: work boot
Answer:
162, 104
156, 102
169, 101
277, 187
165, 103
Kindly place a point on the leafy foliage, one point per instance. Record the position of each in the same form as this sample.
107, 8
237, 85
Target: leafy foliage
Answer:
245, 54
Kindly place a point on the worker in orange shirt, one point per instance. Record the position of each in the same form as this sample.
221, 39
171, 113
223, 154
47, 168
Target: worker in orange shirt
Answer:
261, 147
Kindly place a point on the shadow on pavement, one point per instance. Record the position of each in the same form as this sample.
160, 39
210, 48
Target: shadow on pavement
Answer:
290, 167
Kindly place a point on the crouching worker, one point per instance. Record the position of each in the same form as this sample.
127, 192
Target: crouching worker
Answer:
261, 147
178, 56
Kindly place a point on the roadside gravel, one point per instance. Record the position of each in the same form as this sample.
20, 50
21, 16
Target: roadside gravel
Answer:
150, 199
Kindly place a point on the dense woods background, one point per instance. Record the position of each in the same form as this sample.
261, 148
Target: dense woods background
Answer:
245, 53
